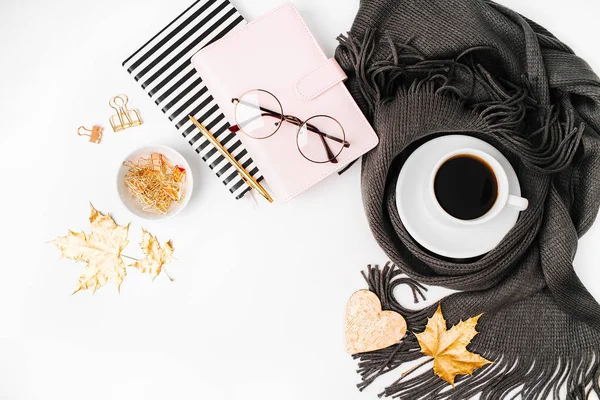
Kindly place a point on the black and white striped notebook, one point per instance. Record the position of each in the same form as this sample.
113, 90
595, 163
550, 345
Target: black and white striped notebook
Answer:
162, 67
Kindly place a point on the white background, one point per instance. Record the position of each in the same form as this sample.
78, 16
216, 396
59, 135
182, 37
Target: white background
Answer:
257, 307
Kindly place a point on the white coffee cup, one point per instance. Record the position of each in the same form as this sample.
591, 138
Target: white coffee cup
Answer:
503, 199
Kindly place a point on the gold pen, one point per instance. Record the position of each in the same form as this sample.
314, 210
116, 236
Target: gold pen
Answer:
246, 176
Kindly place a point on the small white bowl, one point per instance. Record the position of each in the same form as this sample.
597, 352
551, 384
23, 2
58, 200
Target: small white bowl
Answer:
133, 204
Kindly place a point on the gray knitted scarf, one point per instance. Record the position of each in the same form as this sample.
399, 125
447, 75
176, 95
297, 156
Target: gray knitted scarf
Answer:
424, 68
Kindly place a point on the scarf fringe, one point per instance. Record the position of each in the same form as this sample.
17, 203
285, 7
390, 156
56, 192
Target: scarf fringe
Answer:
547, 144
556, 376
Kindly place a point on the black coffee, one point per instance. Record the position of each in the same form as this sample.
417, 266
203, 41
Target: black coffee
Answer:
466, 187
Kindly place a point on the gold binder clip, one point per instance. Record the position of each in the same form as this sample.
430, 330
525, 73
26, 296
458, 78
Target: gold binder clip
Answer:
95, 134
124, 118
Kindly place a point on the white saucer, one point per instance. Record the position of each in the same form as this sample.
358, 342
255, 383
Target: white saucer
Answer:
454, 241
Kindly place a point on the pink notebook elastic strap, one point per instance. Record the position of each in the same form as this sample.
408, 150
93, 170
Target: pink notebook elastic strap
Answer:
320, 80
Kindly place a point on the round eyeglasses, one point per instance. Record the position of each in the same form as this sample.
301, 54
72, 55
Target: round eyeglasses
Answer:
259, 115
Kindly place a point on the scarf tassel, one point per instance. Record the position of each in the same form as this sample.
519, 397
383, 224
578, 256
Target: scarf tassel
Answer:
571, 377
548, 144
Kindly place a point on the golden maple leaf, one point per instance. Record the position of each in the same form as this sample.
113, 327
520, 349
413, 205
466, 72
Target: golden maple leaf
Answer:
449, 347
156, 256
100, 250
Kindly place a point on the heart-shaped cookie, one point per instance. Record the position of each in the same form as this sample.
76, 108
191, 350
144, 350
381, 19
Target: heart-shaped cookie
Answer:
368, 328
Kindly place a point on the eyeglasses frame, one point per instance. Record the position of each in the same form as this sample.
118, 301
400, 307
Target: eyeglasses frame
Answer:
294, 121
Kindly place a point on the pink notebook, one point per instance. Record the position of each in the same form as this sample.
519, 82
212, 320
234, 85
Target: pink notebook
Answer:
277, 53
